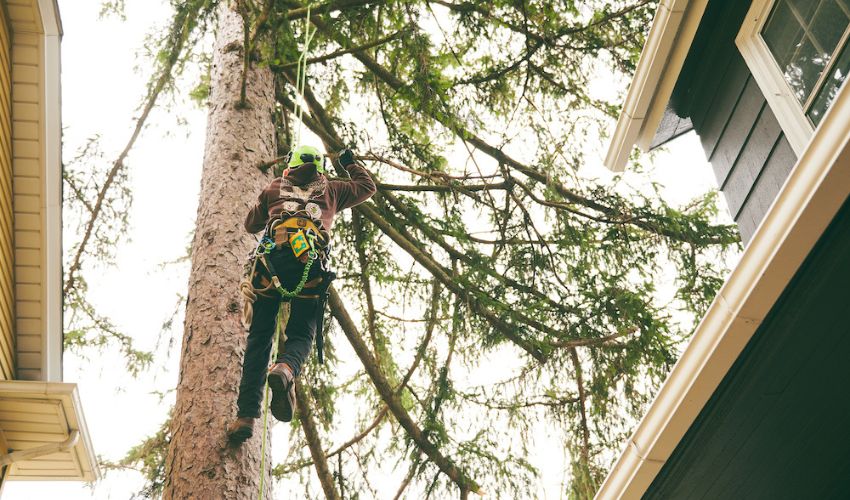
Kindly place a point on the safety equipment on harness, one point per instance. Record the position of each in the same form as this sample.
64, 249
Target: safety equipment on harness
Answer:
297, 235
306, 154
288, 237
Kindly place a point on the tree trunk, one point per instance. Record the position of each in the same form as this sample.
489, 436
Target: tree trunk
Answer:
200, 463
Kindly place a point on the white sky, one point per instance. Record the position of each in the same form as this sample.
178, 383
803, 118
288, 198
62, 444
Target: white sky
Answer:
102, 89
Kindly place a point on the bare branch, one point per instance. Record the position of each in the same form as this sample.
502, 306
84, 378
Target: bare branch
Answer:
179, 35
446, 465
311, 433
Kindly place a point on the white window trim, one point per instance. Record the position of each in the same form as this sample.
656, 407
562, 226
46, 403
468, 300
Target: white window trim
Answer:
768, 75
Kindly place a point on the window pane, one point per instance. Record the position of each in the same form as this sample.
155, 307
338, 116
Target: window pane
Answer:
831, 87
805, 8
782, 33
827, 26
803, 70
802, 35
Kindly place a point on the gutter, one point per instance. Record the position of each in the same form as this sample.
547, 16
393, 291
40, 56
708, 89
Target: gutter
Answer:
51, 118
664, 53
812, 194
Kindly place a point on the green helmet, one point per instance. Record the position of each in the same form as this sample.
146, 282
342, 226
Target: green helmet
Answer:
306, 154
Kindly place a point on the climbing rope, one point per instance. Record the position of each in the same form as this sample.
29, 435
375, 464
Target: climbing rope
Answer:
280, 328
301, 75
266, 247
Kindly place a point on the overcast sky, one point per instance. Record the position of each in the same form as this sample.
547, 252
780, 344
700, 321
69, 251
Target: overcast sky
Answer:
102, 85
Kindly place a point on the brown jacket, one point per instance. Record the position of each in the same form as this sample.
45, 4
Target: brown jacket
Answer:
307, 193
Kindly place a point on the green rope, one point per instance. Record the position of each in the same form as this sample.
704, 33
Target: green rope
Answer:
300, 286
301, 84
280, 326
301, 75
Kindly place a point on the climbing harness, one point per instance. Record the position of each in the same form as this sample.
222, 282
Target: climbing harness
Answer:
261, 277
299, 244
290, 239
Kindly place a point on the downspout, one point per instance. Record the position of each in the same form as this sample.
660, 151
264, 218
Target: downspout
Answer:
47, 449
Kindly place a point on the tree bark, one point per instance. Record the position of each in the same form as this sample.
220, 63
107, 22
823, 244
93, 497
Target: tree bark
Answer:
200, 463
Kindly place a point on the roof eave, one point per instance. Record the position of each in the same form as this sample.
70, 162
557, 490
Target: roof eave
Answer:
660, 63
70, 398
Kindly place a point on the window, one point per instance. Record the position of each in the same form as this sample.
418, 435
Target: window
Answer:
796, 51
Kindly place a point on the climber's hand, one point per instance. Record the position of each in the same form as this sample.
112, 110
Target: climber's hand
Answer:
346, 157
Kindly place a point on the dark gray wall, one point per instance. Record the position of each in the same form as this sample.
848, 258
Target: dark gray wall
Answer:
777, 425
740, 135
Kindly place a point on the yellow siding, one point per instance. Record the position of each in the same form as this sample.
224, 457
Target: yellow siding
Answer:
27, 144
23, 15
7, 234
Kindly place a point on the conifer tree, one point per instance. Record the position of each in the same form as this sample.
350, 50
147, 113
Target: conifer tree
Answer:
488, 289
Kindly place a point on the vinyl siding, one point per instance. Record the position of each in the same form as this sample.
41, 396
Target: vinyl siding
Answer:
739, 132
7, 232
28, 179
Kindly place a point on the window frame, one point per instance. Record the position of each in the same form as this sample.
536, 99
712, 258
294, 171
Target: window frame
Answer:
769, 76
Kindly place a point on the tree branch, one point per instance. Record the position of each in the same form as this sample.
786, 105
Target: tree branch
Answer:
181, 29
339, 53
446, 119
311, 433
446, 465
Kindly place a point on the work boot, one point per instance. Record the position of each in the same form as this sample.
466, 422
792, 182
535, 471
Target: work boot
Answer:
240, 430
282, 384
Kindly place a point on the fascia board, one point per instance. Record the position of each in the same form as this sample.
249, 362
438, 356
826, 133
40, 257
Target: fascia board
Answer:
815, 190
650, 69
52, 345
663, 90
50, 20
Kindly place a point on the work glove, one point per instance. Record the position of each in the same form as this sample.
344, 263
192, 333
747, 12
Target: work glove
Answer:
346, 157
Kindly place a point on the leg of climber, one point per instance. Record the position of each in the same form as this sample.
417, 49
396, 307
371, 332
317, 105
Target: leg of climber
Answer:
300, 332
254, 366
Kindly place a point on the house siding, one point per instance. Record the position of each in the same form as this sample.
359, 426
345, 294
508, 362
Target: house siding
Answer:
7, 283
29, 184
739, 132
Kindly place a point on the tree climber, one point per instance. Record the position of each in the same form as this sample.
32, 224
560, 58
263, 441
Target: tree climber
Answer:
297, 211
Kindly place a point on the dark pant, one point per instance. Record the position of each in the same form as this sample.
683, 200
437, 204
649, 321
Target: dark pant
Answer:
300, 331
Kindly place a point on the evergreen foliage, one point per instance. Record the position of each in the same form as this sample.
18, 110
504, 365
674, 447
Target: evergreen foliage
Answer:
498, 289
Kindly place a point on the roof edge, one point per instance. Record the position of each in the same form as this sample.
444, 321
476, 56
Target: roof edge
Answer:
51, 22
813, 193
70, 395
661, 60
